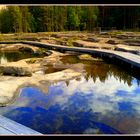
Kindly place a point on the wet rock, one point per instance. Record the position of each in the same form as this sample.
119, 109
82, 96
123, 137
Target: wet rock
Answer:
64, 43
46, 38
96, 45
51, 41
92, 39
126, 48
47, 53
19, 47
128, 35
15, 69
9, 87
122, 36
69, 35
114, 42
132, 42
57, 35
77, 44
42, 53
26, 49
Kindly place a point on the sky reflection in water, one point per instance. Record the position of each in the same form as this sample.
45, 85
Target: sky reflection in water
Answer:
83, 105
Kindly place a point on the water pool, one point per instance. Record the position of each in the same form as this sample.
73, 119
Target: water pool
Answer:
105, 100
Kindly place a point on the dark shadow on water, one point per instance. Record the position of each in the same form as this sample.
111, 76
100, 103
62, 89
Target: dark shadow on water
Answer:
101, 69
11, 56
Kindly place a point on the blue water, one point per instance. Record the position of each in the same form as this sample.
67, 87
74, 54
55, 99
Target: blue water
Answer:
106, 100
79, 107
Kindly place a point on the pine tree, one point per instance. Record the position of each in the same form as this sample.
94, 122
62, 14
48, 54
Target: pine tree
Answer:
27, 19
16, 18
73, 21
5, 21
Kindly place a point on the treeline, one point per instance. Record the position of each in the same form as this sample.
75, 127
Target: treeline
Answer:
121, 17
47, 18
65, 18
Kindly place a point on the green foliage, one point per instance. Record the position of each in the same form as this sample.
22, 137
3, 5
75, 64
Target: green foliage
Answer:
27, 20
15, 19
5, 21
1, 37
126, 17
70, 41
31, 61
45, 18
72, 19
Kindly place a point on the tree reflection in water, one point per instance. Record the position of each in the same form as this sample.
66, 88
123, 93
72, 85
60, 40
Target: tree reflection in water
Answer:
100, 70
104, 100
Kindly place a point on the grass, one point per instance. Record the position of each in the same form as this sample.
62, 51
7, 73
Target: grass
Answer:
115, 32
31, 61
37, 36
1, 37
70, 41
86, 56
89, 57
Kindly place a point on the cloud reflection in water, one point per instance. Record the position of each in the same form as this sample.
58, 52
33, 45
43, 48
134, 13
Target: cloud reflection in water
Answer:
105, 101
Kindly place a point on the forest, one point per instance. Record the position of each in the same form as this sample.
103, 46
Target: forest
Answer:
18, 19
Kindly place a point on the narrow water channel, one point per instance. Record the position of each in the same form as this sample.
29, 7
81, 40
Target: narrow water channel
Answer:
105, 100
12, 56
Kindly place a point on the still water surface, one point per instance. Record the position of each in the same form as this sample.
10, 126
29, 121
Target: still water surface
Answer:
106, 100
12, 56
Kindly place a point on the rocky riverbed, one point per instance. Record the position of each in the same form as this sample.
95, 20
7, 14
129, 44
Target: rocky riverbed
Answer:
49, 68
33, 71
114, 40
111, 40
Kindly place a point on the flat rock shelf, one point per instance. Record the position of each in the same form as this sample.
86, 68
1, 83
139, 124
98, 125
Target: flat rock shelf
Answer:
132, 59
9, 127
